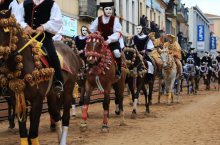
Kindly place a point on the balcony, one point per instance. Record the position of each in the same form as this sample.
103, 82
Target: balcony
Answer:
87, 9
182, 14
171, 9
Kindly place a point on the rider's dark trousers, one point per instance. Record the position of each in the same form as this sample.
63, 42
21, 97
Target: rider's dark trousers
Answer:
53, 57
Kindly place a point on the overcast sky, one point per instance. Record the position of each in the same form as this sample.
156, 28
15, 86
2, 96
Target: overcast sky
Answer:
207, 6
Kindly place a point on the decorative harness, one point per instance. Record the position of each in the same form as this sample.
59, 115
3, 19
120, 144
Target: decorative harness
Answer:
12, 79
136, 70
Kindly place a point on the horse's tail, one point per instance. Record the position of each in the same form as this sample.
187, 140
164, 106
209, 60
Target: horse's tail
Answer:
20, 107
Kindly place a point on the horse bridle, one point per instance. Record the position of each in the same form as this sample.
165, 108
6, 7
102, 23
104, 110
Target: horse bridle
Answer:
169, 62
130, 49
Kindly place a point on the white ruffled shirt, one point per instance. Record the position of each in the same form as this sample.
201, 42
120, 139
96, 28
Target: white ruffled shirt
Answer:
58, 36
52, 26
117, 28
150, 67
14, 5
150, 44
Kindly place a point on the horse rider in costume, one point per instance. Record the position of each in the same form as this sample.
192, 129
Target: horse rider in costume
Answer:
206, 59
175, 50
80, 42
9, 4
158, 45
144, 46
193, 55
110, 28
38, 16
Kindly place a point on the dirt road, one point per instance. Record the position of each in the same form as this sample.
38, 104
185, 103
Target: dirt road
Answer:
195, 121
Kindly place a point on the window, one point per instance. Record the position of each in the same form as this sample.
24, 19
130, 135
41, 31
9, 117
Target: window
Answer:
141, 8
159, 21
127, 16
133, 17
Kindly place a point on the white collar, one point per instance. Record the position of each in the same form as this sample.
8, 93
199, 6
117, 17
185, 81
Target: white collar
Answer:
105, 19
37, 2
142, 36
82, 37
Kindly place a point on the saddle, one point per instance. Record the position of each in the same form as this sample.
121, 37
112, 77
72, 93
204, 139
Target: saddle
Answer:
64, 66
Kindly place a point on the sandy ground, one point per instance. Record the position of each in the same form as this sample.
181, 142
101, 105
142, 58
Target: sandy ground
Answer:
195, 121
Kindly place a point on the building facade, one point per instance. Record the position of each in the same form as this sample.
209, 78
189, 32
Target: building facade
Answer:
199, 32
214, 27
182, 25
155, 11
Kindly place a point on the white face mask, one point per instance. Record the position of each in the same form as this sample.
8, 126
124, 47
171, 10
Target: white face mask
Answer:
108, 11
84, 31
139, 29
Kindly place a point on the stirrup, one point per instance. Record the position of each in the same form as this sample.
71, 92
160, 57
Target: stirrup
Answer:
58, 86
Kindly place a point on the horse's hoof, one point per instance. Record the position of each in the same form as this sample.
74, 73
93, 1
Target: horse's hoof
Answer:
133, 114
105, 129
123, 123
52, 127
83, 127
147, 112
168, 103
13, 130
117, 112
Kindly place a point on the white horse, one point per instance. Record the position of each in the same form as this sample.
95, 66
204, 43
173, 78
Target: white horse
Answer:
170, 75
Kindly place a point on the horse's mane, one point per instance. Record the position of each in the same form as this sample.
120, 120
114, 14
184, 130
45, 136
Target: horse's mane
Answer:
96, 35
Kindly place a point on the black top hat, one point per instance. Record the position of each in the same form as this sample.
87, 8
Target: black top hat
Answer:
106, 4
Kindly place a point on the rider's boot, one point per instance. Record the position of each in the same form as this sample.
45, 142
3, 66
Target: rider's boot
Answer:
58, 83
118, 69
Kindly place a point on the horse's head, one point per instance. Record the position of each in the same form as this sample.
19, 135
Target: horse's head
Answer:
214, 62
94, 47
165, 57
8, 31
190, 60
130, 55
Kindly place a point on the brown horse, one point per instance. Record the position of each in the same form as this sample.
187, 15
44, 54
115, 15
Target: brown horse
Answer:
101, 74
35, 94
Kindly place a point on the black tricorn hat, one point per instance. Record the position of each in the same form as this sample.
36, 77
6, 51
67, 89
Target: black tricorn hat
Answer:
192, 48
106, 4
218, 51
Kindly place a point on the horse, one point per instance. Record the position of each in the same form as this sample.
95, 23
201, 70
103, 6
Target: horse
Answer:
189, 71
137, 77
205, 73
32, 82
216, 73
101, 69
170, 75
